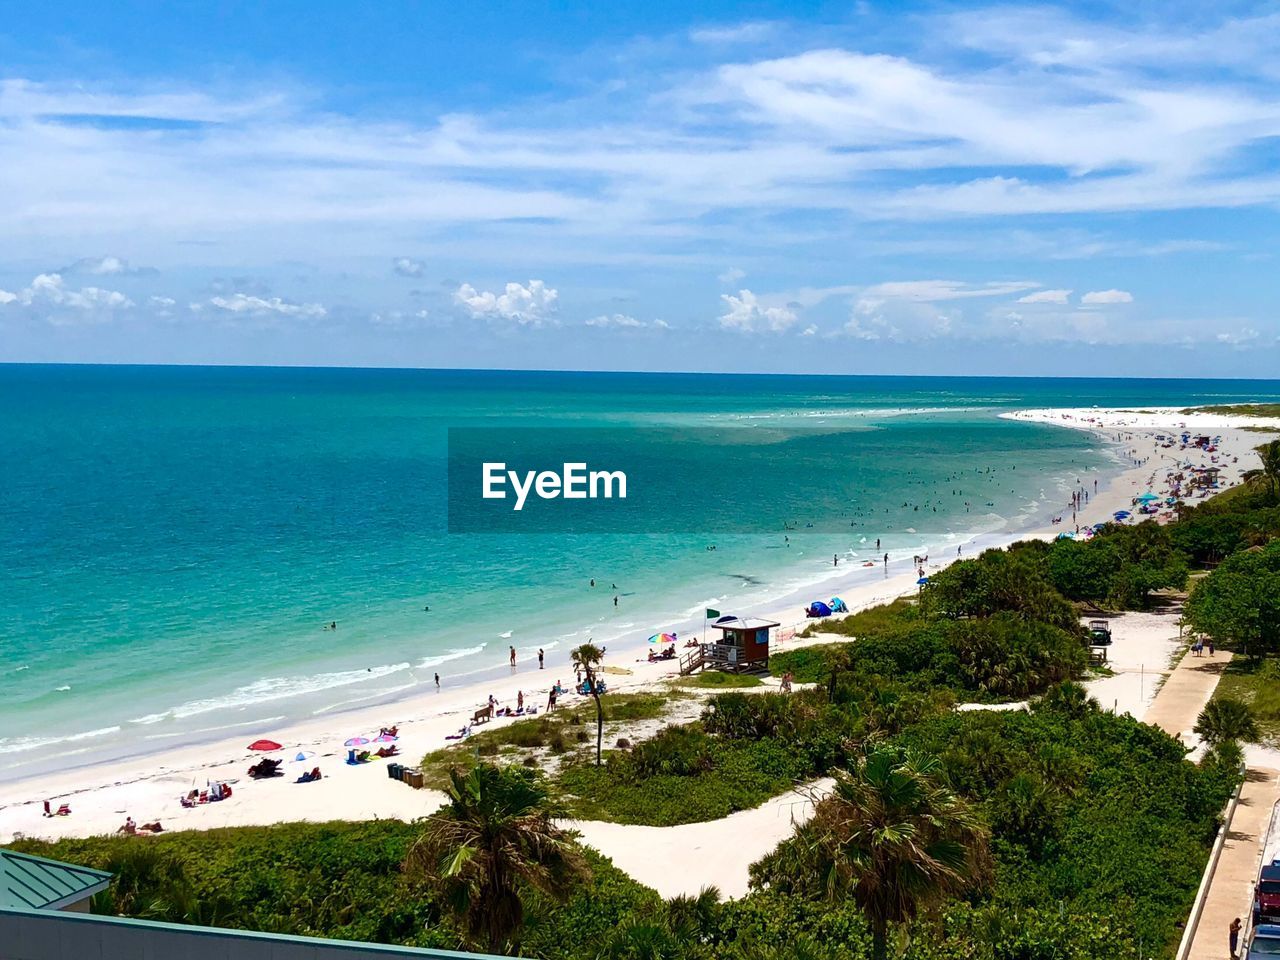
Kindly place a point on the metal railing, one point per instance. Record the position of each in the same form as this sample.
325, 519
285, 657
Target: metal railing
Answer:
1197, 906
54, 935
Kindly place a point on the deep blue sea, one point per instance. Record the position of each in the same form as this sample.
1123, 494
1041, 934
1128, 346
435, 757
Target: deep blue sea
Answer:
173, 540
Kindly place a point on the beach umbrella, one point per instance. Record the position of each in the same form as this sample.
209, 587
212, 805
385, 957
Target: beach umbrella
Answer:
384, 738
264, 745
356, 742
1121, 514
304, 755
1148, 497
922, 581
663, 638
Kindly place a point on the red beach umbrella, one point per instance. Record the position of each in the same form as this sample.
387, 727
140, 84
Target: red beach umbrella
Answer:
264, 745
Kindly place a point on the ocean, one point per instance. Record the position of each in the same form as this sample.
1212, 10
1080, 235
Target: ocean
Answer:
174, 541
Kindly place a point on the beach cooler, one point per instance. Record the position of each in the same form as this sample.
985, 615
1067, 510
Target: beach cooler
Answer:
393, 770
414, 778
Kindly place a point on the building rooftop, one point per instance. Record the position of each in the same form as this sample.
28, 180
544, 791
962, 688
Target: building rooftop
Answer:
39, 884
744, 623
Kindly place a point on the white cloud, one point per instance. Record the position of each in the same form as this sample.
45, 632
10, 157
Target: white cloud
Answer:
732, 276
7, 297
529, 305
408, 267
162, 302
1239, 338
928, 291
242, 303
51, 289
1046, 296
809, 331
624, 321
615, 320
1107, 296
748, 32
106, 267
746, 314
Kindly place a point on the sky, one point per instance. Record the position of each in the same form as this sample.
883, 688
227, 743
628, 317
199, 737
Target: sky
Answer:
866, 187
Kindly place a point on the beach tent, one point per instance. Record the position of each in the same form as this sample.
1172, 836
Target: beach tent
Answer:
264, 745
818, 609
838, 606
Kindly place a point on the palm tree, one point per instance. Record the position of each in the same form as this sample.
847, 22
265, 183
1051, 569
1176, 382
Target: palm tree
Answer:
494, 838
1270, 453
1226, 718
587, 658
1068, 698
895, 840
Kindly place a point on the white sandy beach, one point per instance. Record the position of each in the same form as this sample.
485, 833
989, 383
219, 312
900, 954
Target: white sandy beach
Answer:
147, 788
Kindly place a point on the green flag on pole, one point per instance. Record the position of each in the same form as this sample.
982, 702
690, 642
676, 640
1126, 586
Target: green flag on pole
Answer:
712, 613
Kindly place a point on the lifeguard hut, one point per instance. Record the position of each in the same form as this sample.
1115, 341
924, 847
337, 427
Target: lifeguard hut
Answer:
744, 645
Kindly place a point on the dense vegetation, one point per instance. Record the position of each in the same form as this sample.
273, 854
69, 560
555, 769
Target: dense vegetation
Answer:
997, 654
1098, 830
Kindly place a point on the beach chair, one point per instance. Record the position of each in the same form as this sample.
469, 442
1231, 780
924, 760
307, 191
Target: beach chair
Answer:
483, 715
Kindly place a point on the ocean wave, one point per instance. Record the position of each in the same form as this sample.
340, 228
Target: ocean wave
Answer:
376, 695
18, 744
428, 662
277, 688
151, 718
218, 729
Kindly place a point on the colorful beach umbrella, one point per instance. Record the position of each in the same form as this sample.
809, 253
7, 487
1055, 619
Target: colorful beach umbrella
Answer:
264, 745
356, 742
1148, 497
384, 738
663, 638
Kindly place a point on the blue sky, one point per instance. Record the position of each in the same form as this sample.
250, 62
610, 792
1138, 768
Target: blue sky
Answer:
853, 187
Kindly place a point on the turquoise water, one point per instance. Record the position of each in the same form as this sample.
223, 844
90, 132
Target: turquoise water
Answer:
173, 540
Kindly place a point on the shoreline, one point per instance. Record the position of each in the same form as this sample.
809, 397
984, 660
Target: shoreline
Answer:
102, 793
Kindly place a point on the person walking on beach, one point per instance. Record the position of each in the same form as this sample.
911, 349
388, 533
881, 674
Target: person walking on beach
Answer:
520, 701
513, 657
540, 655
835, 559
437, 683
551, 699
1233, 934
1211, 648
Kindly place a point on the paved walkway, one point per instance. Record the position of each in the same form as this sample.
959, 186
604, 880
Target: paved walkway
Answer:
1185, 693
1231, 890
1175, 710
716, 853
